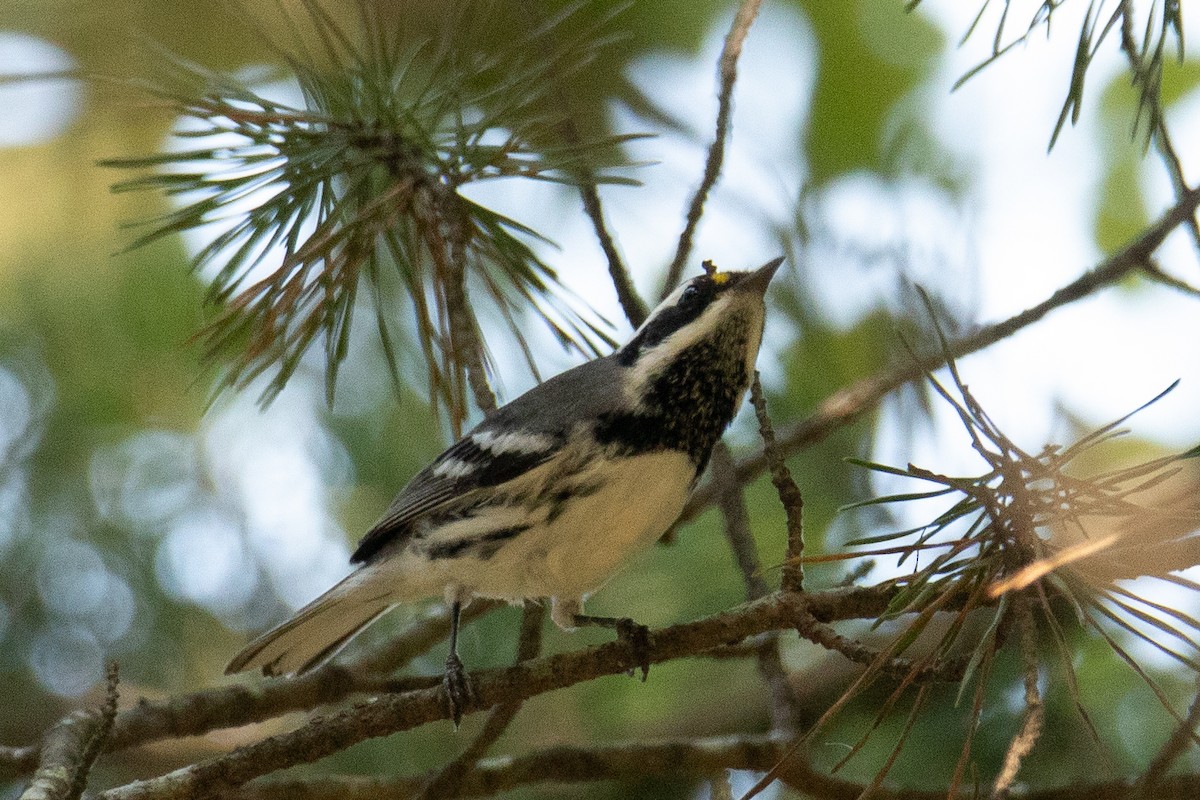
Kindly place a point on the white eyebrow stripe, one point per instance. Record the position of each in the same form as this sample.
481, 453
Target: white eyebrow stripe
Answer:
453, 468
513, 442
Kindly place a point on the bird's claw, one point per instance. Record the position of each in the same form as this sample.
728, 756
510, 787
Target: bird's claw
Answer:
638, 638
457, 688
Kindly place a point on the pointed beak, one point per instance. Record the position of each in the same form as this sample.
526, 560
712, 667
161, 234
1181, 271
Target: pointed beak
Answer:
759, 279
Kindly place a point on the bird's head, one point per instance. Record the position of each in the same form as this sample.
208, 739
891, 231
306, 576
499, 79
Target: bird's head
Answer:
715, 308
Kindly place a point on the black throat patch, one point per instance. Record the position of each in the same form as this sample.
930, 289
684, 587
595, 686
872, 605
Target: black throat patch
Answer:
687, 405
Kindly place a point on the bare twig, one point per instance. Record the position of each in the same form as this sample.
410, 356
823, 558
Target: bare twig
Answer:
627, 295
848, 404
785, 707
1031, 721
732, 503
70, 748
824, 635
1181, 738
732, 50
631, 302
449, 778
792, 578
465, 343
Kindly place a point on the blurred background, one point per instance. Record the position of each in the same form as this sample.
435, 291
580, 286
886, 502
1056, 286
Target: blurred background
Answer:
141, 522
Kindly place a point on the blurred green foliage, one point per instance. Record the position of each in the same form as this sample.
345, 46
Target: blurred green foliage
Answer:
100, 343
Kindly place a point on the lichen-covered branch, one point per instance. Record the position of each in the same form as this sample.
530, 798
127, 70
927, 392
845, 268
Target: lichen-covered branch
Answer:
70, 748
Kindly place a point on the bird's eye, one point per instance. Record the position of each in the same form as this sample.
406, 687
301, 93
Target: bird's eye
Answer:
689, 294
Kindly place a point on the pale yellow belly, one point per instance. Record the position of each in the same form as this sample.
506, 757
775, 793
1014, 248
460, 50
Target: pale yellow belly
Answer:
582, 548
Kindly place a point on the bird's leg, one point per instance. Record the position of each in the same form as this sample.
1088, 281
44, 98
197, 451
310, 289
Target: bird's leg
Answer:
455, 681
633, 634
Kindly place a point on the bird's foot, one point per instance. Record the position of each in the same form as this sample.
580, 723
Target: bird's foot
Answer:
635, 635
457, 688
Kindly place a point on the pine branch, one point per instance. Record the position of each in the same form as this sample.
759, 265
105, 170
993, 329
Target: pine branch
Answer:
403, 711
680, 759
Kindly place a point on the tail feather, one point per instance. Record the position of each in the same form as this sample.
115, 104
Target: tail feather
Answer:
317, 632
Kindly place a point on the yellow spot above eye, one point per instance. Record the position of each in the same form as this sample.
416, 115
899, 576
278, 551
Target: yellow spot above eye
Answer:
710, 269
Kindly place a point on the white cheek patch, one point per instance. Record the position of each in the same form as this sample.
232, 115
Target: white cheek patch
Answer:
514, 442
652, 361
453, 469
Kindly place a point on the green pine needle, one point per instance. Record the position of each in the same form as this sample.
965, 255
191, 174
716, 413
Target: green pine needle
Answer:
361, 186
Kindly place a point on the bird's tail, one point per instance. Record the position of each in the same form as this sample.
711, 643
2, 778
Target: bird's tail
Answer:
317, 631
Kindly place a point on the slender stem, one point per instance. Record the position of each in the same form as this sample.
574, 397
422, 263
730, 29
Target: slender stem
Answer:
727, 69
792, 579
786, 713
1031, 720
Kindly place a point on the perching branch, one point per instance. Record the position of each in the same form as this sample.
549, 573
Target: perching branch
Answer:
408, 709
449, 778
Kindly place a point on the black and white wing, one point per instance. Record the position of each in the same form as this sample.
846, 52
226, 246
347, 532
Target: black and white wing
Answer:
515, 439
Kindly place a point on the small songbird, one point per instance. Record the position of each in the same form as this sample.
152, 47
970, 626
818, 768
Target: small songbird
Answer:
552, 492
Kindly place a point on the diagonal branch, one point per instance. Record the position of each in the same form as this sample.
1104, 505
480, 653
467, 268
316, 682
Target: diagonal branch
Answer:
1178, 742
732, 50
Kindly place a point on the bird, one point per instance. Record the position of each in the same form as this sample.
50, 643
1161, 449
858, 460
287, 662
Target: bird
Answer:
552, 492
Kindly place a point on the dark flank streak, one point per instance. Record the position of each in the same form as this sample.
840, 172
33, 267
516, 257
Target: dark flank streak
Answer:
483, 546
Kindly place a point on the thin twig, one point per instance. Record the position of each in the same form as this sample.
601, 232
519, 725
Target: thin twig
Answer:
627, 295
449, 778
823, 634
1158, 122
1181, 738
848, 404
792, 577
70, 748
730, 53
785, 706
1155, 273
1031, 722
465, 343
